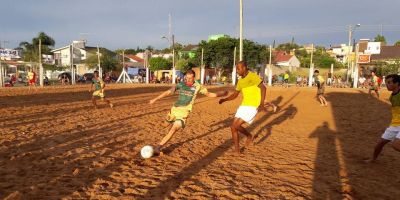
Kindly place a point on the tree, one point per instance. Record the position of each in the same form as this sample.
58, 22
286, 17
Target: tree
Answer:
287, 47
30, 51
159, 63
107, 60
380, 38
397, 43
386, 68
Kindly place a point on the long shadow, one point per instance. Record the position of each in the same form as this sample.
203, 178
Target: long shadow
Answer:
340, 173
58, 166
288, 113
327, 180
164, 189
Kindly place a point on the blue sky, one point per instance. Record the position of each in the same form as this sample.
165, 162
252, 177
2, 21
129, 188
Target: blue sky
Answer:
130, 23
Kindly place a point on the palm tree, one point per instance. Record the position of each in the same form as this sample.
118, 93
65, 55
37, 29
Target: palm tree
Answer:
31, 50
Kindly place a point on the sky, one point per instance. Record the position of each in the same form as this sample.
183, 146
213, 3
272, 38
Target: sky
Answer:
122, 24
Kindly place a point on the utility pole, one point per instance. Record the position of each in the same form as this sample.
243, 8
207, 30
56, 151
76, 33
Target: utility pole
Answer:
355, 75
202, 70
173, 60
348, 53
234, 67
40, 63
311, 73
99, 62
241, 32
146, 65
270, 67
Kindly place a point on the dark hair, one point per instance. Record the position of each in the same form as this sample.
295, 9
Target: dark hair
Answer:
394, 77
189, 71
95, 72
316, 71
242, 62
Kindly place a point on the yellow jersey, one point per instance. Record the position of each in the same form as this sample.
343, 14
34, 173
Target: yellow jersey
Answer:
250, 90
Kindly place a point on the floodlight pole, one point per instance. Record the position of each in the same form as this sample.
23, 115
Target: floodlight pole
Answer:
241, 32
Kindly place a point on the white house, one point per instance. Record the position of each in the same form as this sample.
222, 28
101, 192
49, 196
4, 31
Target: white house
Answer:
283, 59
62, 56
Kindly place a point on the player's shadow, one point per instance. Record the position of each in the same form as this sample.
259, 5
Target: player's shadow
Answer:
340, 172
61, 164
164, 189
327, 179
285, 114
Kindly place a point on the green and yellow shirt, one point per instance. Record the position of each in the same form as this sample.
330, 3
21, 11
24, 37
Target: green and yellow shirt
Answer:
395, 101
187, 94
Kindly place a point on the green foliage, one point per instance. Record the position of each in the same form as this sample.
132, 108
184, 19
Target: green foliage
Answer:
397, 43
183, 65
321, 59
386, 68
287, 47
159, 63
30, 51
107, 60
380, 38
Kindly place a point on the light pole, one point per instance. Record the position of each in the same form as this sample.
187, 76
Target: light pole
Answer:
350, 48
172, 41
241, 32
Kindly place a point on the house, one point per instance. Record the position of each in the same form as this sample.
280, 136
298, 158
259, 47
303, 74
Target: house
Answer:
80, 52
134, 61
339, 52
376, 53
188, 51
289, 61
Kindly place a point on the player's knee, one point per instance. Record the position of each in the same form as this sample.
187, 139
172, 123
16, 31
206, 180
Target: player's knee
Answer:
396, 145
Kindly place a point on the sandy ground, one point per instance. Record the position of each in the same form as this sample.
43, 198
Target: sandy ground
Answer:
53, 145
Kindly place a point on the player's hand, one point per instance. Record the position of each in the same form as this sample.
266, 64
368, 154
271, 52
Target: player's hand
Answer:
224, 93
152, 101
261, 107
221, 101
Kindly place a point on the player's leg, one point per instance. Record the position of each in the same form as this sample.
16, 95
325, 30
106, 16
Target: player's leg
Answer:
237, 127
396, 144
175, 127
389, 134
107, 101
94, 101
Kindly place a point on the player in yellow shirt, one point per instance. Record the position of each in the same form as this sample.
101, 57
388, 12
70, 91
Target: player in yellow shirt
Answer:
99, 86
392, 133
253, 91
320, 81
187, 93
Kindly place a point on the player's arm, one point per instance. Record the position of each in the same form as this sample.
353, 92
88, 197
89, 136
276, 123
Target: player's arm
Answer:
162, 95
231, 97
263, 91
216, 94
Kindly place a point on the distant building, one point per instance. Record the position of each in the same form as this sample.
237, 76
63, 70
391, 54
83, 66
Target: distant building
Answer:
282, 59
189, 51
79, 52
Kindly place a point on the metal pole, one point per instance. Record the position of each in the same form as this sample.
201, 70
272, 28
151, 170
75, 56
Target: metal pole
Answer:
241, 32
355, 75
40, 63
270, 67
310, 75
123, 63
202, 70
99, 62
1, 75
234, 67
173, 60
348, 54
146, 65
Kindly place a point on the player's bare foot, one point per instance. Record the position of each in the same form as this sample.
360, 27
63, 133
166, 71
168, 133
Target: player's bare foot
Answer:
111, 105
275, 108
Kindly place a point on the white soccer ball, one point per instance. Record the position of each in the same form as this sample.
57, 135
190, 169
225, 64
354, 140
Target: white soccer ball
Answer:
147, 151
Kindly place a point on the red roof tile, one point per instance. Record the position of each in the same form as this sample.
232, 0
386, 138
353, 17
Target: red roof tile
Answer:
134, 57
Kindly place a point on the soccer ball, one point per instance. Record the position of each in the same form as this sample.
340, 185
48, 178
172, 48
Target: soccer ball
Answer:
147, 151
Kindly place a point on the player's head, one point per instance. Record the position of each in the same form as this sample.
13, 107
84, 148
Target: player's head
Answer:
372, 73
96, 73
241, 68
316, 72
392, 82
189, 77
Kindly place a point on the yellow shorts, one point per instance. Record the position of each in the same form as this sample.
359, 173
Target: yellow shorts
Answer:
98, 93
178, 114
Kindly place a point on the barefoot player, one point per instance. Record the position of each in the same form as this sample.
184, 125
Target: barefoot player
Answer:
253, 91
392, 133
187, 92
99, 85
320, 81
373, 85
